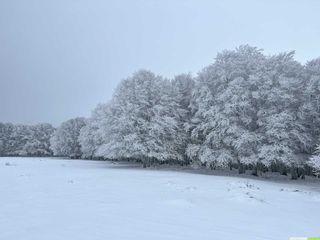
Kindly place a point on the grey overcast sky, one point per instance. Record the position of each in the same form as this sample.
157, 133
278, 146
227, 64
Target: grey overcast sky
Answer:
60, 58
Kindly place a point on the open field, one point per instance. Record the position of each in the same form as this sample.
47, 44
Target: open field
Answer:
57, 199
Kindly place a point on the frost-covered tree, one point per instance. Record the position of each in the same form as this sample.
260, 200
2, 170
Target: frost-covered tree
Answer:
280, 121
247, 110
14, 138
65, 140
38, 143
20, 136
314, 162
182, 89
6, 130
2, 139
225, 118
199, 127
129, 119
92, 135
142, 122
311, 101
25, 140
166, 126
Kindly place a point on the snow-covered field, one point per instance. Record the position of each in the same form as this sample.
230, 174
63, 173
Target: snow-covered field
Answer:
75, 199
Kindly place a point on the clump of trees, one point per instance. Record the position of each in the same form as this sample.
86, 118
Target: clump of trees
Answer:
246, 110
25, 140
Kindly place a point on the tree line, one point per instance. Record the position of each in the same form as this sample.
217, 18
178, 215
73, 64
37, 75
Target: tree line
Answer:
246, 110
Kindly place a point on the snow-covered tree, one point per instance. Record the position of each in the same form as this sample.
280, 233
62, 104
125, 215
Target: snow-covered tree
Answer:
225, 118
311, 101
13, 139
92, 135
247, 110
25, 140
182, 89
6, 130
166, 126
65, 140
199, 127
38, 143
314, 162
142, 122
283, 133
129, 119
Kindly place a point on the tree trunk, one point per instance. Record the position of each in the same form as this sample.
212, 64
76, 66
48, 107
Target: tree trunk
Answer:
294, 173
255, 170
241, 169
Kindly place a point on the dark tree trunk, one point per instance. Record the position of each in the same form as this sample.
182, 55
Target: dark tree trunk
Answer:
241, 168
294, 173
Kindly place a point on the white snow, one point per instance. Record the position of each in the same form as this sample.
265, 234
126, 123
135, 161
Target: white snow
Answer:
58, 199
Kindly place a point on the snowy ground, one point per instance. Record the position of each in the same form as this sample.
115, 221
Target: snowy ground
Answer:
74, 199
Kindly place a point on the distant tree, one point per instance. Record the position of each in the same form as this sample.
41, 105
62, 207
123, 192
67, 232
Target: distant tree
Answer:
12, 139
92, 135
5, 135
38, 143
25, 140
65, 140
